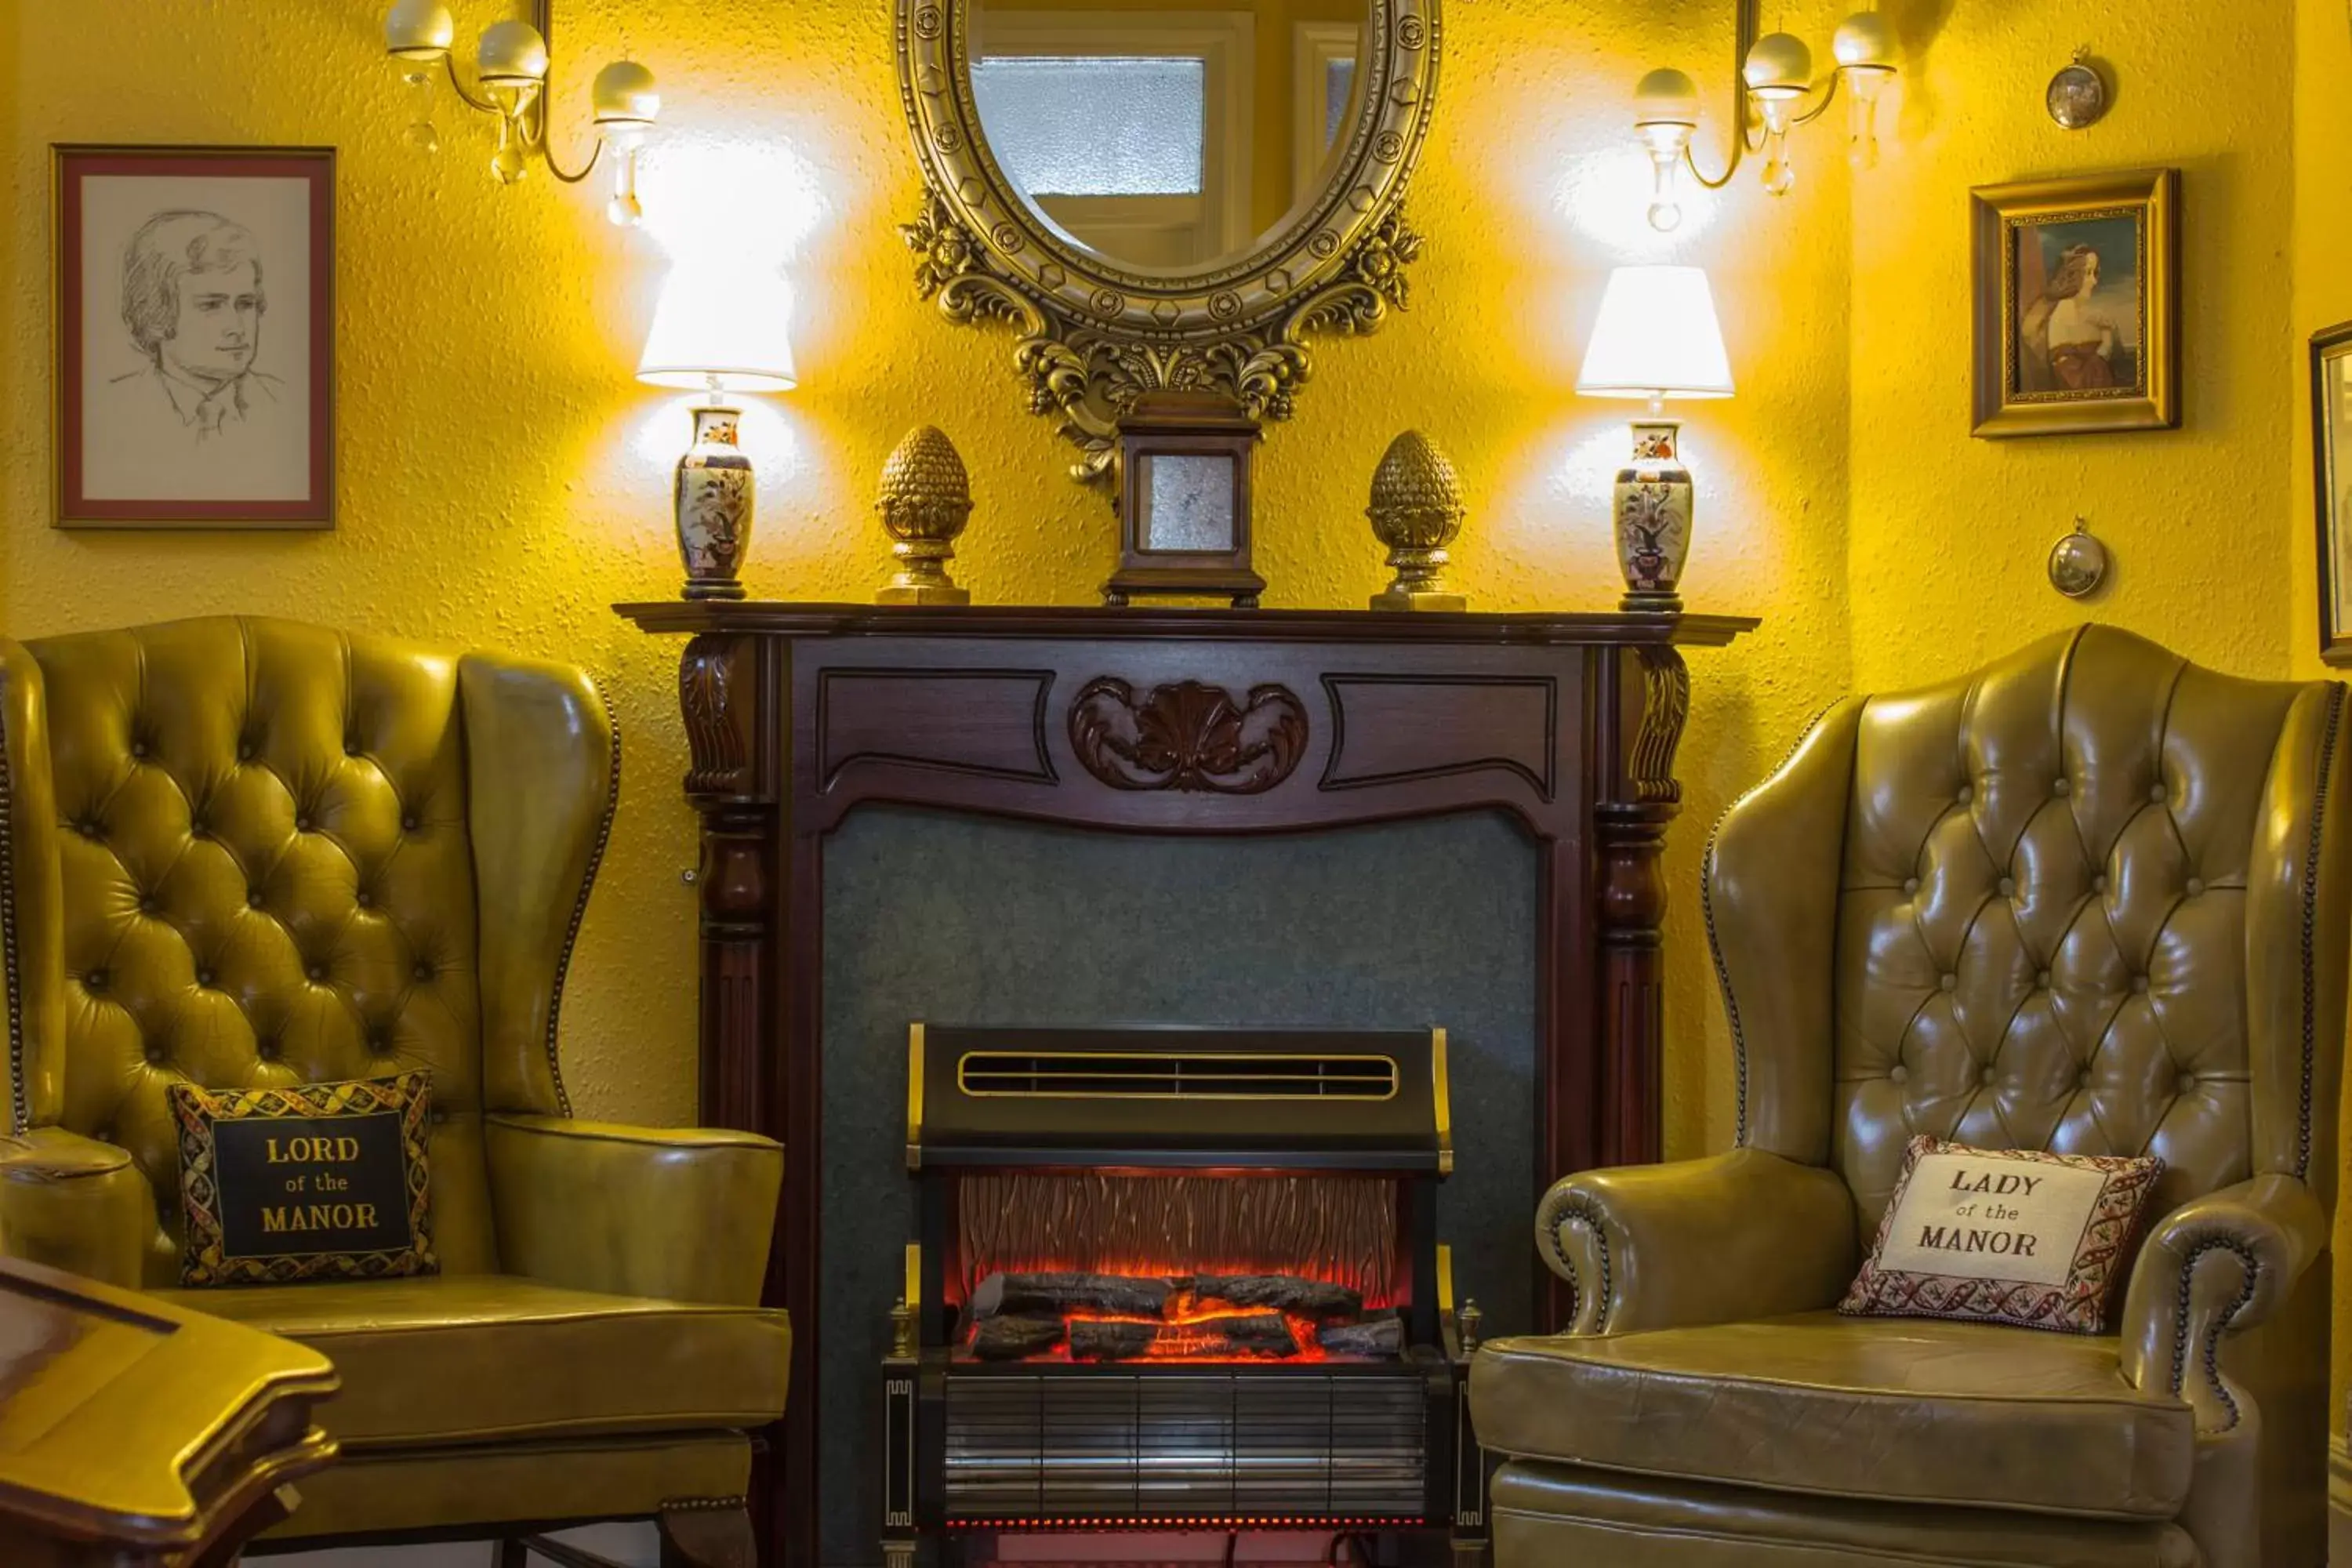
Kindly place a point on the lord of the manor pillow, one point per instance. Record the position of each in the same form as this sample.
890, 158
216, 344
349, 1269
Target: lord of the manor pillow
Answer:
304, 1181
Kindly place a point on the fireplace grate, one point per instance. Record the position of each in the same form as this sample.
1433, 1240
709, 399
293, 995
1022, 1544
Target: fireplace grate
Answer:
1191, 1446
1177, 1074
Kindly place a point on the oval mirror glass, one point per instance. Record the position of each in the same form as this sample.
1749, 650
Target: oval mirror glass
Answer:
1164, 136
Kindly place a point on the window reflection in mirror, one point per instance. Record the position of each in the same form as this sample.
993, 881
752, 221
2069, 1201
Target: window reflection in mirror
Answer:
1167, 135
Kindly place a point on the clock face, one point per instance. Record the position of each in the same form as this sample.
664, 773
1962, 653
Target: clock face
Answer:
2077, 97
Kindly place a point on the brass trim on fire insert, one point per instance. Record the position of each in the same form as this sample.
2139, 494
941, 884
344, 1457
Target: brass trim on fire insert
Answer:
1442, 1099
1101, 1066
914, 1097
1444, 1278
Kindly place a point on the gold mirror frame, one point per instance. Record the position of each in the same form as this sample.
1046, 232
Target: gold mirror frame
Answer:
1092, 336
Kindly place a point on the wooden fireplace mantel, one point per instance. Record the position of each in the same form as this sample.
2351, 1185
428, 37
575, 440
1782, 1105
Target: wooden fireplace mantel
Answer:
1170, 722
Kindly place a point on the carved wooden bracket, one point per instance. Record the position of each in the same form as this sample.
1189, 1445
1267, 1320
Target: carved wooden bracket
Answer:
1188, 736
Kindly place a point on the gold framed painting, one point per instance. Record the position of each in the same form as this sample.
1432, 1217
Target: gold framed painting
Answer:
2078, 290
2331, 452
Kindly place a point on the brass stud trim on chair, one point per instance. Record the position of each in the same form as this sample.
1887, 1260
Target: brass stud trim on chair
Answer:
1714, 942
1550, 1217
2311, 927
2211, 1356
21, 1116
580, 906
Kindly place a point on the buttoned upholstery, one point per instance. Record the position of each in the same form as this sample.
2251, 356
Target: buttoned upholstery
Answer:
267, 879
2092, 898
239, 852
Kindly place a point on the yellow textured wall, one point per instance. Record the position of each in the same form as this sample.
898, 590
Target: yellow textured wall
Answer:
503, 478
1951, 534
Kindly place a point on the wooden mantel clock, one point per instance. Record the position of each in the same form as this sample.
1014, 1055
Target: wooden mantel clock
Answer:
1184, 724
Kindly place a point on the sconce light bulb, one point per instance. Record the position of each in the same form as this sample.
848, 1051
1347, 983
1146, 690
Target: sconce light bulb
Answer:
1864, 42
623, 95
1665, 217
512, 54
1666, 97
1779, 66
419, 29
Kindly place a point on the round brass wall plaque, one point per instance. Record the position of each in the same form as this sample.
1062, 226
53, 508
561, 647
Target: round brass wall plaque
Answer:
2077, 95
1094, 332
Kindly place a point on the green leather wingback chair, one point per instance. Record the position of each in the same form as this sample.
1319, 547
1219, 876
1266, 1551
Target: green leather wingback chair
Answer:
240, 852
2092, 898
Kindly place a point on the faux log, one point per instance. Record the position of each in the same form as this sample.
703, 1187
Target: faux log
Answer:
1263, 1333
1282, 1293
1059, 1295
1014, 1338
1381, 1338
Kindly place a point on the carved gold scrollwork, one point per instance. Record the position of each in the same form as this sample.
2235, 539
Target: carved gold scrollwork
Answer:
1188, 736
1090, 336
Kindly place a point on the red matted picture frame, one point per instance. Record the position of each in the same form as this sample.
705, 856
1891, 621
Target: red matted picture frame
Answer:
194, 325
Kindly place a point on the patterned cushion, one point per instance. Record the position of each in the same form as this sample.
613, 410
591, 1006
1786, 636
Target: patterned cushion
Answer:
2008, 1237
304, 1181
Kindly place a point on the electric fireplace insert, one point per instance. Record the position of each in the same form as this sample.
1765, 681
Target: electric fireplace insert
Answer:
1178, 1279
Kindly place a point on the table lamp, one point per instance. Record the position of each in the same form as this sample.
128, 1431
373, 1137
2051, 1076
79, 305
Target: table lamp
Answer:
1657, 338
721, 335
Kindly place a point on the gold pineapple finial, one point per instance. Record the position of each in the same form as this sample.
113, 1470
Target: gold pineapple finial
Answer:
925, 501
1416, 511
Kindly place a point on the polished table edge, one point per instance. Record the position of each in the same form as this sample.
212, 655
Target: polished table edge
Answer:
1475, 627
305, 1375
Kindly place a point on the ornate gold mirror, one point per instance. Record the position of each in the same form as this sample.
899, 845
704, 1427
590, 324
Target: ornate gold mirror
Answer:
1165, 195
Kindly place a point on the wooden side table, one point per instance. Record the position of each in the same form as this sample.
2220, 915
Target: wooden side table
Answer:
134, 1434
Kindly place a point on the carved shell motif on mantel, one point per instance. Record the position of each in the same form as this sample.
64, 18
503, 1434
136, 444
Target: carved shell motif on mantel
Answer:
1188, 736
1091, 336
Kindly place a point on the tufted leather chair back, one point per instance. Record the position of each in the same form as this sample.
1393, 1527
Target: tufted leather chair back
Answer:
279, 860
2075, 913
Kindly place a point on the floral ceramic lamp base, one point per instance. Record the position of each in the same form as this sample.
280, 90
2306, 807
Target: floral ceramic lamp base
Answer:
1652, 511
714, 499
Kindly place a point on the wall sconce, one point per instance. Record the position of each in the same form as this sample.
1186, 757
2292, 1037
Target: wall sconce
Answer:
1776, 78
510, 72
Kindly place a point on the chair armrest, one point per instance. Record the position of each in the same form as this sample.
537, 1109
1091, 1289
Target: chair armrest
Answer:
2217, 1264
682, 1215
75, 1204
1733, 1237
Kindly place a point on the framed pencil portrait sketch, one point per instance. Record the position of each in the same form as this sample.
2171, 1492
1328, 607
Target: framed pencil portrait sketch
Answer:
194, 337
2077, 304
2331, 451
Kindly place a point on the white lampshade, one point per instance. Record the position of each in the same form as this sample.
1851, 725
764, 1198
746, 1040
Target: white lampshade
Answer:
728, 331
1657, 337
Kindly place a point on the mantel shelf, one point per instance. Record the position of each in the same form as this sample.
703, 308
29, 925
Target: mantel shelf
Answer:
1535, 628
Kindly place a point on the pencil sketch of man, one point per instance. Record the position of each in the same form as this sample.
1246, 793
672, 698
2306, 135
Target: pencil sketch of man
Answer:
193, 299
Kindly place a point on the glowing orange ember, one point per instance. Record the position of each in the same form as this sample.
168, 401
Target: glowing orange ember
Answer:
1187, 1308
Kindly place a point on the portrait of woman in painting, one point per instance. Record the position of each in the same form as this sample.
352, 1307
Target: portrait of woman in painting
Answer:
2078, 297
2077, 307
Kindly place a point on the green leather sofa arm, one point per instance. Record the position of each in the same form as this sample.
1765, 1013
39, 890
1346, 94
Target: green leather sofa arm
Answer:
1732, 1236
678, 1214
2218, 1265
75, 1204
